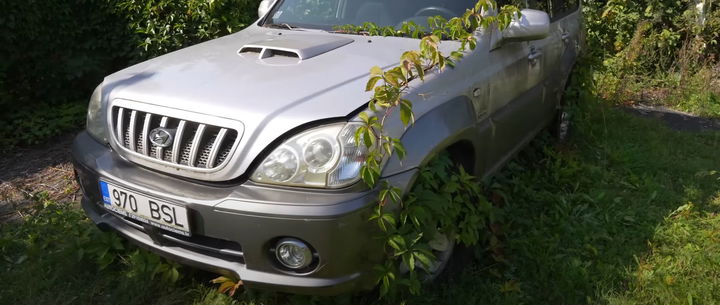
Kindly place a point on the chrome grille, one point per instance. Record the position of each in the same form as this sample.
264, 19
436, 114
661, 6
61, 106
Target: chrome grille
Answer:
195, 145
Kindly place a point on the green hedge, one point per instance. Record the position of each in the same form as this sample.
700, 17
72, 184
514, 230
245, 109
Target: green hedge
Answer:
161, 26
53, 52
651, 33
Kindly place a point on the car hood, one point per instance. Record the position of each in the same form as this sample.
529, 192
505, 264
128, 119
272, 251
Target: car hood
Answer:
269, 80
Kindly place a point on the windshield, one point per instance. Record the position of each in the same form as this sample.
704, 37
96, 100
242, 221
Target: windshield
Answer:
327, 14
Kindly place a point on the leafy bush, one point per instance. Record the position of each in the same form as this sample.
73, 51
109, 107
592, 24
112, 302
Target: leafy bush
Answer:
54, 52
654, 51
161, 26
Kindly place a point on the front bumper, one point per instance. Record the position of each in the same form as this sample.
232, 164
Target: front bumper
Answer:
234, 227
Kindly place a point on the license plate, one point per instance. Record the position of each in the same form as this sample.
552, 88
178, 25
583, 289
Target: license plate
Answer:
147, 210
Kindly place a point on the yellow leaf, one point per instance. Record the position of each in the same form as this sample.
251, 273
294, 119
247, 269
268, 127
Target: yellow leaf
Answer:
227, 285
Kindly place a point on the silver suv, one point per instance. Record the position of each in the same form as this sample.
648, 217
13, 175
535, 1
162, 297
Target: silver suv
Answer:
237, 155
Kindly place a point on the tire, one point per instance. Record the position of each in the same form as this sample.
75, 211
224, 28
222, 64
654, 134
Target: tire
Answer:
443, 259
562, 123
443, 251
561, 126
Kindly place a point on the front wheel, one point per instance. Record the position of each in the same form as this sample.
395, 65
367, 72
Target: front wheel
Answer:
442, 247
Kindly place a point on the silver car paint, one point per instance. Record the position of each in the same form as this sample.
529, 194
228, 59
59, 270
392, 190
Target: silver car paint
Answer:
496, 101
267, 98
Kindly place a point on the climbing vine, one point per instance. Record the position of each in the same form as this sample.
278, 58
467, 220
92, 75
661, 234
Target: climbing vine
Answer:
445, 205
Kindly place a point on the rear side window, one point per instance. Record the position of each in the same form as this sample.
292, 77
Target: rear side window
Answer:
562, 8
555, 8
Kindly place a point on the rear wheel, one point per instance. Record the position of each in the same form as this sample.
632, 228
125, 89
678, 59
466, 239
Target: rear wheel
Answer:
561, 129
562, 124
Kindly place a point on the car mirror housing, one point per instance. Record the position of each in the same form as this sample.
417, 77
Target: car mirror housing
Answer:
264, 7
531, 25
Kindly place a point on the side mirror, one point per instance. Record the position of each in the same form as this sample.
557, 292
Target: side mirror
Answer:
532, 25
264, 7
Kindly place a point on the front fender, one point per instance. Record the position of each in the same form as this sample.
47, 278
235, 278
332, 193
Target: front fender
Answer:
435, 130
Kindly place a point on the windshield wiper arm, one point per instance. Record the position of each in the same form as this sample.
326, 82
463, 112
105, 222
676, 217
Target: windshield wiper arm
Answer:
285, 26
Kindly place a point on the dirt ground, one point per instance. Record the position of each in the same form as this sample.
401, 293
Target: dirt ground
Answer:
26, 173
674, 119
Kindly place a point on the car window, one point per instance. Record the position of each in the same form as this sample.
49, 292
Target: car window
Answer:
307, 12
561, 8
555, 8
542, 5
326, 14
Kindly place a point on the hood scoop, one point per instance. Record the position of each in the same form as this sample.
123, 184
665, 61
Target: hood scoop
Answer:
296, 47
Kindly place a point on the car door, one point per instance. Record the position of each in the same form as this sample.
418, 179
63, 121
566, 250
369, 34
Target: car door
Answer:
566, 18
517, 96
500, 76
550, 50
559, 48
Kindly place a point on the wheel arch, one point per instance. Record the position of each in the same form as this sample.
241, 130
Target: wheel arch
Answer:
448, 127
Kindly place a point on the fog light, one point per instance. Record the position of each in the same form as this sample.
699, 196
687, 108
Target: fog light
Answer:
293, 253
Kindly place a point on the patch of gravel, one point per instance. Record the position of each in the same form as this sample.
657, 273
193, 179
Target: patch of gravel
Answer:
28, 172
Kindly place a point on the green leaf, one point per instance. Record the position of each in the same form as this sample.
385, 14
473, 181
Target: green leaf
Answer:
391, 79
406, 114
395, 194
368, 138
368, 176
372, 83
389, 218
425, 259
383, 194
376, 71
385, 287
399, 149
397, 242
358, 134
419, 69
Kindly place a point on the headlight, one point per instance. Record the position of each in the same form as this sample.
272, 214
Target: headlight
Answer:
96, 126
325, 156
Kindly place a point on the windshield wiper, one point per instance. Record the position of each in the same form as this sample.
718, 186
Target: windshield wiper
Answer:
284, 26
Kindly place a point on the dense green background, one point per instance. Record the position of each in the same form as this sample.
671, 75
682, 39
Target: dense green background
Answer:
53, 52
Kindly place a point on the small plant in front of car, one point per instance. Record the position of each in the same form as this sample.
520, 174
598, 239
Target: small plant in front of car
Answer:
447, 206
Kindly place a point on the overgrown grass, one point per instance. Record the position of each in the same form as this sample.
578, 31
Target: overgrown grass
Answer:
623, 213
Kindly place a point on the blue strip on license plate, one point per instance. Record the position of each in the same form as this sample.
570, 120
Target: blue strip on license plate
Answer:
105, 192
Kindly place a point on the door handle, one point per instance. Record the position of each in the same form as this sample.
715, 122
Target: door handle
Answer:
565, 37
534, 55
